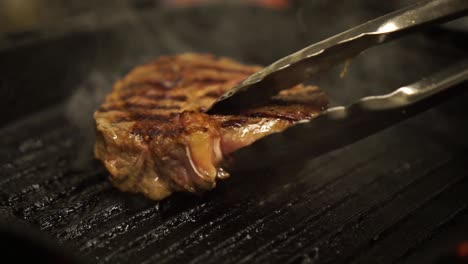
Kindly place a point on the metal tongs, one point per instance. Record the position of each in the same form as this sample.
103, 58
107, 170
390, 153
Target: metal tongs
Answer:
360, 119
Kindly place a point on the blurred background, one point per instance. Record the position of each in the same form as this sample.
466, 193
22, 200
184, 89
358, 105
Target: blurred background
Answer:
26, 15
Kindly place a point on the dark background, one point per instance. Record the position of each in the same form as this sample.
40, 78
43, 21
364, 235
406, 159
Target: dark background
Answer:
398, 196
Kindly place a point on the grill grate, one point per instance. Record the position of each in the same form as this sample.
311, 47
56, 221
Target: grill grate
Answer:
384, 204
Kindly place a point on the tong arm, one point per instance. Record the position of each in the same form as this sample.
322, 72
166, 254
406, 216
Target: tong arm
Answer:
302, 65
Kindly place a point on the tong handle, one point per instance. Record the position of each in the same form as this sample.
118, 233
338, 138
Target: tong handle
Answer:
302, 65
397, 23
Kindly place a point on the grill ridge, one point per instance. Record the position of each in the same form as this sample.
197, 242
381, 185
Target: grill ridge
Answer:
420, 231
158, 232
105, 237
276, 213
382, 231
67, 192
314, 232
75, 231
317, 224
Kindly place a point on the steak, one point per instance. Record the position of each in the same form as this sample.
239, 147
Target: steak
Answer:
154, 136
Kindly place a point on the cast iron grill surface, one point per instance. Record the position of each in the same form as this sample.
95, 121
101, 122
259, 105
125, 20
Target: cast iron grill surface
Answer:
399, 196
382, 199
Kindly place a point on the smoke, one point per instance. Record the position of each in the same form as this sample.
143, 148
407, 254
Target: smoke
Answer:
79, 110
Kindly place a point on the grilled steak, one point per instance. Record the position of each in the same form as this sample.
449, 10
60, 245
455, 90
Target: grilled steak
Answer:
154, 137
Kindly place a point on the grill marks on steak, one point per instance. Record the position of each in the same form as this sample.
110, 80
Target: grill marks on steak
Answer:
154, 137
